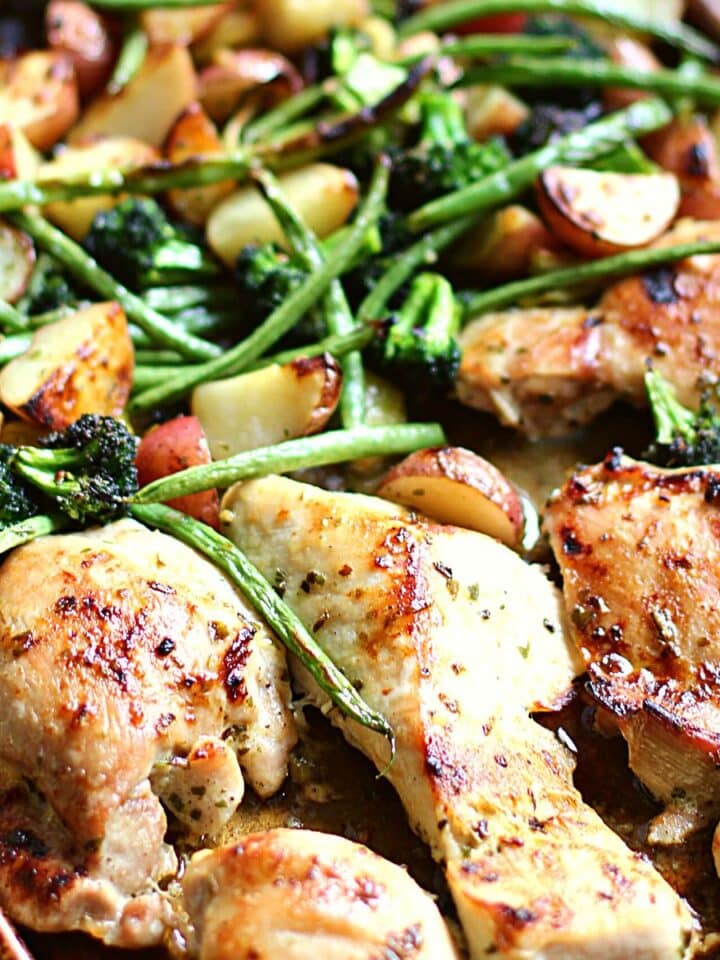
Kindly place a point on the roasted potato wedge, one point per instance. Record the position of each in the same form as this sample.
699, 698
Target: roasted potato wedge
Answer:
493, 111
195, 135
268, 405
234, 73
601, 213
237, 28
289, 26
81, 33
324, 195
80, 364
501, 246
148, 106
455, 485
182, 27
18, 158
39, 95
17, 259
170, 447
76, 216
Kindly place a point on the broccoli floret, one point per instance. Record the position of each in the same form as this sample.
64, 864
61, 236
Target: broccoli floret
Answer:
266, 277
137, 244
87, 471
548, 121
420, 346
48, 289
445, 157
684, 438
17, 498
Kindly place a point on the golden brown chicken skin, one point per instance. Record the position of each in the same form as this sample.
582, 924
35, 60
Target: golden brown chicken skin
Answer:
639, 551
130, 672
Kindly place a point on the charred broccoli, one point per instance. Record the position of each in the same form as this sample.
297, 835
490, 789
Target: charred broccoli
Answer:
85, 472
18, 501
684, 438
444, 159
420, 346
140, 247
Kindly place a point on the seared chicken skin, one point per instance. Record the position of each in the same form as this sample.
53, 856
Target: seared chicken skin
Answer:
129, 668
548, 370
639, 552
302, 895
455, 639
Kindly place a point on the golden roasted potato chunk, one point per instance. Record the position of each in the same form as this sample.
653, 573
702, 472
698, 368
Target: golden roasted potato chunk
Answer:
39, 95
80, 364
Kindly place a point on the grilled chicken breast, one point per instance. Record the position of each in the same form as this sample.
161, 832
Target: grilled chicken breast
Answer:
455, 639
639, 552
130, 672
302, 895
548, 370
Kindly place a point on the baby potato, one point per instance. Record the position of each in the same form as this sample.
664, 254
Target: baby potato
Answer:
455, 485
598, 213
76, 216
195, 135
237, 28
182, 27
493, 111
290, 25
148, 106
39, 95
234, 73
80, 364
75, 29
17, 259
324, 195
501, 246
265, 406
18, 158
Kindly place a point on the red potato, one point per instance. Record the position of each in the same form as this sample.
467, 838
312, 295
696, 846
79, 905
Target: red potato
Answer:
173, 446
39, 95
195, 135
598, 213
75, 29
17, 259
454, 485
628, 52
501, 246
18, 158
234, 73
182, 27
688, 148
237, 28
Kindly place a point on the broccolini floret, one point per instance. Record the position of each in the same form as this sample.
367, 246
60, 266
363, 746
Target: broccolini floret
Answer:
17, 498
137, 244
444, 159
266, 276
420, 346
85, 472
684, 438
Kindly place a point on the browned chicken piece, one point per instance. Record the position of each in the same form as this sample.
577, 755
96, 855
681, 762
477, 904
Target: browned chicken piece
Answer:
130, 671
302, 895
639, 551
548, 370
455, 639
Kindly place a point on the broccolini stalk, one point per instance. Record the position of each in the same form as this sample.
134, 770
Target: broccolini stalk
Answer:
633, 261
15, 534
440, 17
547, 72
281, 320
684, 438
335, 446
576, 148
338, 316
275, 612
82, 266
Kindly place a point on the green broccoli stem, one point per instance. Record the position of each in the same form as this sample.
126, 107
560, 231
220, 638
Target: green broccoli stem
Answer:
337, 313
286, 625
492, 44
632, 261
671, 418
15, 534
576, 148
135, 45
555, 72
411, 314
422, 253
282, 320
11, 320
146, 375
444, 314
442, 120
336, 446
82, 266
440, 17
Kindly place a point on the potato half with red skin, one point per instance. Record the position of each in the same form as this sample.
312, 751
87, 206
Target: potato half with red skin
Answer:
173, 446
86, 37
454, 485
688, 148
598, 213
